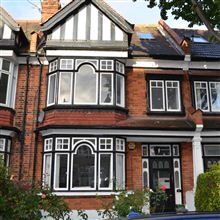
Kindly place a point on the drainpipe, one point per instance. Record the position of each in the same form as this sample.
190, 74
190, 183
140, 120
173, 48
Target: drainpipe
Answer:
23, 131
37, 123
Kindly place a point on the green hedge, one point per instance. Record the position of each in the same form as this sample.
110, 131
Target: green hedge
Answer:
207, 197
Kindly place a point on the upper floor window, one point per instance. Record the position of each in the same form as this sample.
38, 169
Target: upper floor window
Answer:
207, 96
5, 149
7, 83
165, 95
86, 82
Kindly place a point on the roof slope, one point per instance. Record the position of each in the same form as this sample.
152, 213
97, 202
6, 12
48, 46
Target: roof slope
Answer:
103, 6
157, 47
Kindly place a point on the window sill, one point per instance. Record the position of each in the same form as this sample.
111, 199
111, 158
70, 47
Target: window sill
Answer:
86, 108
95, 193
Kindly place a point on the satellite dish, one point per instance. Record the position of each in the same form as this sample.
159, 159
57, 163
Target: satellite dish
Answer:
41, 117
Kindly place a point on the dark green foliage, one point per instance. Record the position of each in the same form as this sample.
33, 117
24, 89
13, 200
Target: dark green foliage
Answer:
207, 197
184, 9
20, 201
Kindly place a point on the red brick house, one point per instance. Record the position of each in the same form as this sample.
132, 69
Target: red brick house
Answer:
90, 103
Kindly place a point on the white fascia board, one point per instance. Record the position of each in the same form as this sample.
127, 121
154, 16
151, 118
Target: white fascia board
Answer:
7, 133
9, 54
33, 60
172, 64
210, 134
90, 53
123, 132
159, 139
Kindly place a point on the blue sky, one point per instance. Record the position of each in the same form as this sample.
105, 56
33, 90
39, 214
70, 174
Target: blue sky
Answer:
136, 13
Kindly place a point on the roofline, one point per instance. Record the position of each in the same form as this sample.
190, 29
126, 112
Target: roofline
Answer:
65, 11
8, 19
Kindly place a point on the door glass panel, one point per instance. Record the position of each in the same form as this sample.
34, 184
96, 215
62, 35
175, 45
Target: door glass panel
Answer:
160, 150
166, 165
145, 179
177, 179
161, 178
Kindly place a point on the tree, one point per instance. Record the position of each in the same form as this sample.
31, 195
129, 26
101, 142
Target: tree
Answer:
198, 12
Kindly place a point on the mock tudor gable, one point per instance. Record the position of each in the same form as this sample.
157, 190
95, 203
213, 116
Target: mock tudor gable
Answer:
87, 25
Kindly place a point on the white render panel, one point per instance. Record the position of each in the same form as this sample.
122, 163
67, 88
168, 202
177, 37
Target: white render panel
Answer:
90, 53
94, 23
69, 29
6, 32
81, 30
119, 36
106, 28
56, 34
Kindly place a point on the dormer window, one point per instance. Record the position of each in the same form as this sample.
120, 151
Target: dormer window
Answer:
145, 36
86, 82
198, 39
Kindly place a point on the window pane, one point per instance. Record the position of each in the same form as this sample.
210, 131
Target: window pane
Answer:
201, 94
177, 179
86, 86
105, 170
160, 151
157, 102
65, 88
4, 87
66, 64
61, 171
120, 90
47, 170
83, 168
212, 150
145, 177
120, 169
173, 98
106, 88
6, 65
51, 94
215, 95
2, 144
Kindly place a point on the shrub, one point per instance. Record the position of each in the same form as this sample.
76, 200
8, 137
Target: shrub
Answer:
20, 201
208, 190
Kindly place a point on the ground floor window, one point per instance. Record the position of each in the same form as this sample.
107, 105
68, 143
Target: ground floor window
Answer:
211, 155
5, 149
84, 164
161, 168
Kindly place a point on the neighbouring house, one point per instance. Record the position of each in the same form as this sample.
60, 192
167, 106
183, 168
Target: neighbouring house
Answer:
91, 104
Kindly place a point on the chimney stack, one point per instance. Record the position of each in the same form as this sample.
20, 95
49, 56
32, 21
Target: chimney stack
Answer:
49, 8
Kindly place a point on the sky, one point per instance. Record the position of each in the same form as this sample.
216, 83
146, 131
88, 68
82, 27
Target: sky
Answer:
134, 12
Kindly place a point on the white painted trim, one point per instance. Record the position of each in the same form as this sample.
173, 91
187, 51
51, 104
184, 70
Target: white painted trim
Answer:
84, 139
81, 27
210, 95
70, 89
178, 195
122, 90
120, 132
94, 23
3, 146
50, 140
7, 133
48, 89
158, 139
69, 27
111, 172
56, 33
103, 150
6, 32
87, 53
62, 138
145, 170
171, 64
106, 28
123, 172
55, 171
44, 167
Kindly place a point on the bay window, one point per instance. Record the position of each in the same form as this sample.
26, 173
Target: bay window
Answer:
84, 164
165, 95
86, 82
211, 155
207, 95
5, 149
8, 78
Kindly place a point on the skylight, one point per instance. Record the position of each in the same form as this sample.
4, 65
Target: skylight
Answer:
199, 39
145, 36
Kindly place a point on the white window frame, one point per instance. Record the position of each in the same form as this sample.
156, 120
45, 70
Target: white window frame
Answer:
111, 172
95, 169
121, 142
215, 82
100, 139
44, 167
145, 170
160, 145
179, 99
84, 140
55, 171
122, 104
104, 63
65, 68
48, 90
48, 142
4, 141
123, 177
100, 89
53, 66
163, 96
211, 155
71, 88
207, 92
62, 138
96, 98
120, 67
178, 190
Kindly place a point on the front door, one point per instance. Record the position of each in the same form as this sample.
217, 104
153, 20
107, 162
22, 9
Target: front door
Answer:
161, 176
